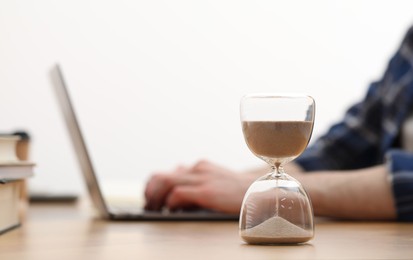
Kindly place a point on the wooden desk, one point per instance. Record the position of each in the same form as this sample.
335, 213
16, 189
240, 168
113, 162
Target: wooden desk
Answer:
69, 232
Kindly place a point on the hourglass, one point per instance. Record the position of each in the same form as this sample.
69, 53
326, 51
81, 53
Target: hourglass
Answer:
276, 208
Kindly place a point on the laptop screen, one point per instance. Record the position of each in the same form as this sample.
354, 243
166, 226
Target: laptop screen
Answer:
66, 105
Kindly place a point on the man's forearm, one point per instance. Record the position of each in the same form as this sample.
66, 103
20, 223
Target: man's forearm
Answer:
359, 194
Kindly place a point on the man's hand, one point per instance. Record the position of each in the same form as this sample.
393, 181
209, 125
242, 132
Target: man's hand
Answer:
204, 185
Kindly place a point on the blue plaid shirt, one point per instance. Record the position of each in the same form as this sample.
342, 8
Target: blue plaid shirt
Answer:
370, 131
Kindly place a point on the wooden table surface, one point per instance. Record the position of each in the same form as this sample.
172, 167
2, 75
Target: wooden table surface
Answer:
56, 231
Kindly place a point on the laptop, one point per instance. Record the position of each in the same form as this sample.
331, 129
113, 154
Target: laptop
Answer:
104, 207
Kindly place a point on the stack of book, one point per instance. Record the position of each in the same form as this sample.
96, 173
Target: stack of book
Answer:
13, 172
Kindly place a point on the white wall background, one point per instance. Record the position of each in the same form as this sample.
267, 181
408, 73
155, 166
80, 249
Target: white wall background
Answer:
158, 83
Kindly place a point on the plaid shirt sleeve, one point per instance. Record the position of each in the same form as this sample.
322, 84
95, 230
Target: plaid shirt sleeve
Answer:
400, 165
369, 133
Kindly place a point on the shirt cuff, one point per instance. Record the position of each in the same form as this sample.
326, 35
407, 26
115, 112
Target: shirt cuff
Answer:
400, 166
